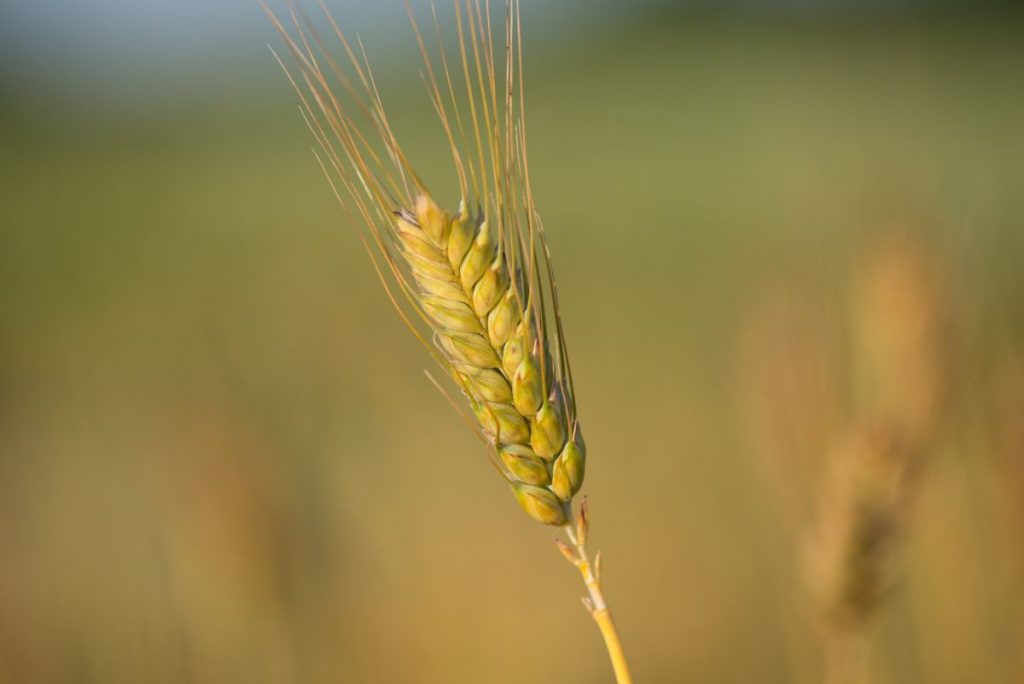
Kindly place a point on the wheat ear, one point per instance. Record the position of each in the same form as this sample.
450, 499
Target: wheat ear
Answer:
851, 557
474, 285
899, 334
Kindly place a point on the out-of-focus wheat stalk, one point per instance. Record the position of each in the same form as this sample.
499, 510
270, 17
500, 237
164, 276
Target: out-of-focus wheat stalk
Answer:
899, 338
476, 285
1006, 413
1007, 416
850, 559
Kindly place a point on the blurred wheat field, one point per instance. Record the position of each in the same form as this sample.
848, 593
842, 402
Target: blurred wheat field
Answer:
219, 459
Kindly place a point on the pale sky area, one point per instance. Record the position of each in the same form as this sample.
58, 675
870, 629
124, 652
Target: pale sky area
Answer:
116, 49
98, 47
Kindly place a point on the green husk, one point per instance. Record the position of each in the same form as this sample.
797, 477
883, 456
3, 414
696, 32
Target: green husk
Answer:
540, 504
568, 469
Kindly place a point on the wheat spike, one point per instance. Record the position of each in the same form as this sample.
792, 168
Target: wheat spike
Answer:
864, 506
899, 339
851, 558
480, 312
475, 285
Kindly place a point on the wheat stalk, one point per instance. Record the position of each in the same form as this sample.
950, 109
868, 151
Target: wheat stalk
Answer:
475, 285
899, 337
851, 557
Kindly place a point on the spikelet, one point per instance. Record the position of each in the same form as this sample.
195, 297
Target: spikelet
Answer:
475, 283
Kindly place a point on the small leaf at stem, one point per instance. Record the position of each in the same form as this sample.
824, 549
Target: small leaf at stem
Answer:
582, 524
569, 554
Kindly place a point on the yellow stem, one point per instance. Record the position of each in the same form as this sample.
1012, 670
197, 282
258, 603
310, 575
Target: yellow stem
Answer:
614, 646
847, 658
599, 610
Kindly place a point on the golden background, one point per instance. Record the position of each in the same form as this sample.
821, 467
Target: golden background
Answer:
220, 460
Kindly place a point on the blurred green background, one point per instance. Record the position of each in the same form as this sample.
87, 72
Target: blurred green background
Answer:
220, 460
